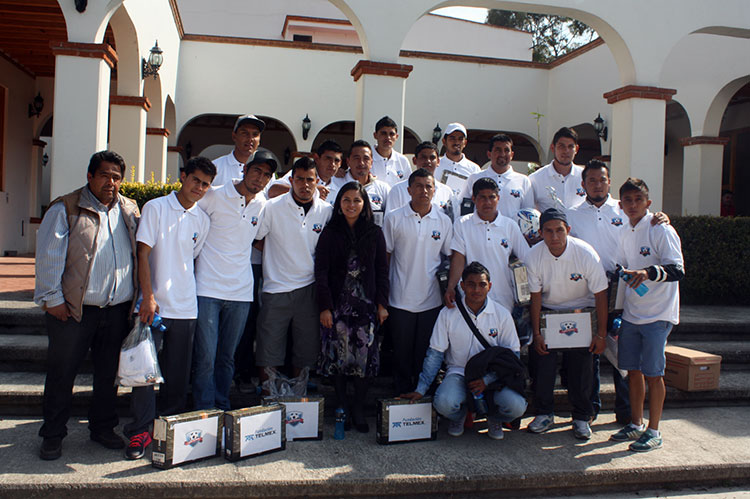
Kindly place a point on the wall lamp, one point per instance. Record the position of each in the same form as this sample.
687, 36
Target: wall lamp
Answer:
35, 108
600, 127
306, 124
45, 160
437, 134
151, 66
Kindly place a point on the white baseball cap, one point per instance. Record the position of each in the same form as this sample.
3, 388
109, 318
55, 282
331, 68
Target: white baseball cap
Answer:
249, 118
452, 127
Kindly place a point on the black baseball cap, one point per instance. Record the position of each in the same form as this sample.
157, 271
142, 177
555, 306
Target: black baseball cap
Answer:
264, 156
552, 214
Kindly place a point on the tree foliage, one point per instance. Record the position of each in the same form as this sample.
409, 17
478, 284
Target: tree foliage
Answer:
553, 36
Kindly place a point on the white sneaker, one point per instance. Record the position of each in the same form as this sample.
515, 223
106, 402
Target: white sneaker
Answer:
541, 423
456, 428
581, 429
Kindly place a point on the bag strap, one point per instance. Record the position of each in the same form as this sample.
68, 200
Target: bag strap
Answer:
471, 324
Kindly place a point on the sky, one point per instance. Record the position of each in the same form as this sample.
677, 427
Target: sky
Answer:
471, 13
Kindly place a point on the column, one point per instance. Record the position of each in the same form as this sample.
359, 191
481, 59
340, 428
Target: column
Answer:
380, 92
156, 154
703, 158
127, 132
81, 109
638, 124
174, 162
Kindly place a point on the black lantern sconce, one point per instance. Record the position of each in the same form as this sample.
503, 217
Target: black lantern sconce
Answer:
45, 160
306, 125
155, 59
600, 127
437, 134
35, 108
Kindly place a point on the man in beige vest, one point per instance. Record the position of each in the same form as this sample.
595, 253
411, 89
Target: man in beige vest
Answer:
86, 282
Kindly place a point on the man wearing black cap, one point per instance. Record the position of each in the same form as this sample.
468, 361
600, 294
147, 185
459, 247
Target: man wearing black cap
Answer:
246, 138
224, 279
564, 273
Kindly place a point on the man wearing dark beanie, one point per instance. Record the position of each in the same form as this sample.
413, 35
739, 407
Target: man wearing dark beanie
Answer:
564, 273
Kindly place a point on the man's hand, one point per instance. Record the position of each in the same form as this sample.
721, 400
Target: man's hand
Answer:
477, 386
450, 297
326, 319
323, 191
636, 277
532, 240
382, 314
660, 218
413, 396
539, 345
59, 312
598, 344
148, 309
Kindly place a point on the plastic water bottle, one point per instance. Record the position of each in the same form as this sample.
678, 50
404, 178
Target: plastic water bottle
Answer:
158, 324
616, 324
339, 433
480, 404
642, 289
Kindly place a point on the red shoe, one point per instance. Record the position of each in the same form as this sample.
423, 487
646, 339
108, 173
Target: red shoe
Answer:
137, 446
469, 421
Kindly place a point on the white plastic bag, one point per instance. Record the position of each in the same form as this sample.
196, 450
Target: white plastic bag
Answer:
139, 365
279, 385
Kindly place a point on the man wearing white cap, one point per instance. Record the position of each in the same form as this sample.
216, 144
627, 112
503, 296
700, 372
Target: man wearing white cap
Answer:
246, 138
455, 161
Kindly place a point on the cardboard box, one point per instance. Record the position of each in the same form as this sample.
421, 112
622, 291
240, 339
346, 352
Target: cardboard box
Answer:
691, 370
568, 328
185, 438
304, 417
399, 420
254, 431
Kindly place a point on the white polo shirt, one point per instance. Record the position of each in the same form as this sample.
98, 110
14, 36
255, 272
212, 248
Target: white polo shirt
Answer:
463, 167
415, 244
568, 188
642, 246
399, 197
515, 190
491, 244
600, 227
333, 185
176, 236
390, 170
453, 336
567, 281
290, 240
223, 269
227, 170
378, 192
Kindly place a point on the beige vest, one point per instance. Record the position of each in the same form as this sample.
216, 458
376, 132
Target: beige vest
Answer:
83, 227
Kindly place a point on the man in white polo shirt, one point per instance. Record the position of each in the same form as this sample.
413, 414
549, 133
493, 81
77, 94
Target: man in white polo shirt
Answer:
425, 156
328, 159
515, 188
416, 236
291, 226
171, 234
246, 138
558, 184
455, 161
359, 160
388, 165
488, 237
225, 279
564, 273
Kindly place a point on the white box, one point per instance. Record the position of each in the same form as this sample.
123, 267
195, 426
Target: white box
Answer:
568, 328
254, 431
400, 420
185, 438
304, 417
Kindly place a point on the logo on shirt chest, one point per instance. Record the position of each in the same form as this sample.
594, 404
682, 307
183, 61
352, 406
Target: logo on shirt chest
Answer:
616, 221
575, 276
645, 250
580, 191
195, 237
400, 174
515, 193
568, 328
504, 243
317, 228
493, 333
436, 235
254, 221
376, 200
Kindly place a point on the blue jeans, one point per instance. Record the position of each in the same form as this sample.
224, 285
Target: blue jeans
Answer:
220, 327
450, 401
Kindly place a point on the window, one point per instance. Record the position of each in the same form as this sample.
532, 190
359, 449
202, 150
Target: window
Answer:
302, 38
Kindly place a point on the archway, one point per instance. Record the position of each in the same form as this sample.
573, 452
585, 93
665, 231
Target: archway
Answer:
589, 145
735, 125
677, 127
340, 131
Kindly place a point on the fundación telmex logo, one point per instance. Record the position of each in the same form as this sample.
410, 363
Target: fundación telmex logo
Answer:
260, 433
405, 422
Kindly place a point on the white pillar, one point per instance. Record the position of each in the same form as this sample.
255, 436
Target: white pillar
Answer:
381, 88
127, 132
638, 124
156, 154
81, 109
174, 161
701, 182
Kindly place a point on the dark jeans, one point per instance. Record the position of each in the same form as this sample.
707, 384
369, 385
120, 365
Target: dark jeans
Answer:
622, 392
244, 356
101, 330
410, 333
175, 347
578, 363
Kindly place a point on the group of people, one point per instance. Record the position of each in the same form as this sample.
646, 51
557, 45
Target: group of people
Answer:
332, 259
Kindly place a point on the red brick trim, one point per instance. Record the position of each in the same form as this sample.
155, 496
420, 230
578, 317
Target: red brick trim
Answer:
288, 44
178, 149
158, 131
702, 139
38, 143
35, 220
177, 18
95, 50
639, 92
606, 158
575, 53
128, 100
364, 67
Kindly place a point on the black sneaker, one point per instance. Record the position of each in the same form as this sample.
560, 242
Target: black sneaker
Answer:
51, 449
108, 439
137, 446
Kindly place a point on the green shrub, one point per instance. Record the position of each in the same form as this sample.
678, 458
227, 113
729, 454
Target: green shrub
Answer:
714, 249
142, 193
